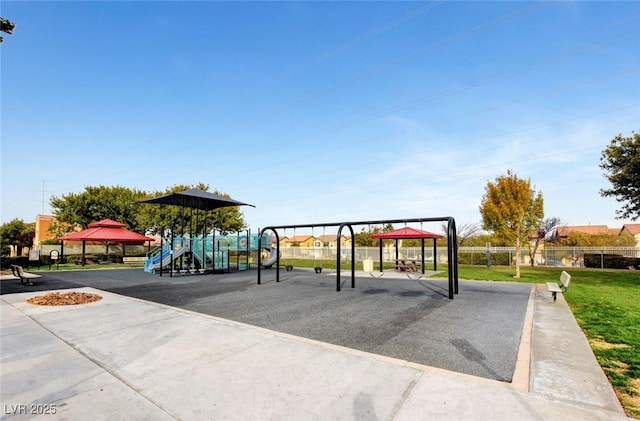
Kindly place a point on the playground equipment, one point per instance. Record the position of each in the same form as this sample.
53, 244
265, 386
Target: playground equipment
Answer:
452, 255
200, 251
198, 254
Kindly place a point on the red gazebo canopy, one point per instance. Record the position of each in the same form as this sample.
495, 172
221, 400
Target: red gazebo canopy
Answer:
406, 233
106, 230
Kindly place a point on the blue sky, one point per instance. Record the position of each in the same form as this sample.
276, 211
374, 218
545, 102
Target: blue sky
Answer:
319, 111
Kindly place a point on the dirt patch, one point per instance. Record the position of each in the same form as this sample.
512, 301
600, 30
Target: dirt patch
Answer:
599, 343
631, 400
618, 367
64, 298
635, 398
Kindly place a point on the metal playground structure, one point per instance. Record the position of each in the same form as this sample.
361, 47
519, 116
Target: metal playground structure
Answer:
191, 254
451, 234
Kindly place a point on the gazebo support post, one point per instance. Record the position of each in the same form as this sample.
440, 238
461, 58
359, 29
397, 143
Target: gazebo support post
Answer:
380, 247
397, 252
83, 252
422, 253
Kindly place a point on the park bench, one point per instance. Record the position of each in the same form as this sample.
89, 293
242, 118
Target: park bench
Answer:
134, 259
554, 288
25, 277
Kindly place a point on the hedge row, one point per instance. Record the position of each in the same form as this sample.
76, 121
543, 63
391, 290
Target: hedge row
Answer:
6, 262
610, 261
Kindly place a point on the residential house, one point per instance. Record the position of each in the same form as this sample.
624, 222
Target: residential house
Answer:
634, 230
310, 241
563, 232
330, 241
298, 241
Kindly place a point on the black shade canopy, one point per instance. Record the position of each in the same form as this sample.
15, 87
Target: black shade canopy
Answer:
195, 198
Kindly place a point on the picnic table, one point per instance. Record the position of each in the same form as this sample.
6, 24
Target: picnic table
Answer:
408, 265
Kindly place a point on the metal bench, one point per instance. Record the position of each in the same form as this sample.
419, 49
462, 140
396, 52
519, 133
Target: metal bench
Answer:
134, 259
554, 288
25, 277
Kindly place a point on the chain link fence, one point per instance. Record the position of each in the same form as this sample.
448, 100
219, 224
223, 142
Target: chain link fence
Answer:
501, 256
600, 257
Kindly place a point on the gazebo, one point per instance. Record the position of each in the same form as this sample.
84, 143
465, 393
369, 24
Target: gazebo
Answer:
107, 231
409, 233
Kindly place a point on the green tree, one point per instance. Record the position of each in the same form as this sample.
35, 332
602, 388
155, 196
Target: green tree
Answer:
17, 234
122, 204
59, 229
167, 219
511, 209
6, 26
99, 202
364, 238
621, 163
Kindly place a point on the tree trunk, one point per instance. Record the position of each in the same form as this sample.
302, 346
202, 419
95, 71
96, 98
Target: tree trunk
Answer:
533, 252
517, 276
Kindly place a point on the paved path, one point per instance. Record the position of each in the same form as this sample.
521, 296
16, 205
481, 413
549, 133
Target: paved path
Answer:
477, 333
125, 358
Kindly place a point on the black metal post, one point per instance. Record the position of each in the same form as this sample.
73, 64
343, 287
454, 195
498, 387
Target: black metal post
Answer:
435, 255
204, 240
261, 233
353, 252
161, 254
422, 253
171, 238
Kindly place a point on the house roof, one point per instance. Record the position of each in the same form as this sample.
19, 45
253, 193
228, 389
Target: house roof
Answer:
406, 233
106, 230
584, 229
329, 238
633, 229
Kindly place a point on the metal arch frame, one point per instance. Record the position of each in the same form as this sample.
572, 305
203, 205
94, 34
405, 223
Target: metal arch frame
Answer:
353, 253
452, 246
274, 229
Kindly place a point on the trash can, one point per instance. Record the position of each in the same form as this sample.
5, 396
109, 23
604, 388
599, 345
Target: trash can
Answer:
367, 265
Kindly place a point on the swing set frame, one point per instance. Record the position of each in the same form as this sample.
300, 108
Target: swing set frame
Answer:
452, 246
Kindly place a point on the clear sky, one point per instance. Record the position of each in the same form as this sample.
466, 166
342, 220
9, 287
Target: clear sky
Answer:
319, 111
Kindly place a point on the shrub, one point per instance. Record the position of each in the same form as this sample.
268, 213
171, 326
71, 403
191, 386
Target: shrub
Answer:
610, 261
500, 259
23, 261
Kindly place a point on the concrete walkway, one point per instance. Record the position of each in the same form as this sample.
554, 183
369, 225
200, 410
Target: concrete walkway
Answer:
124, 358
